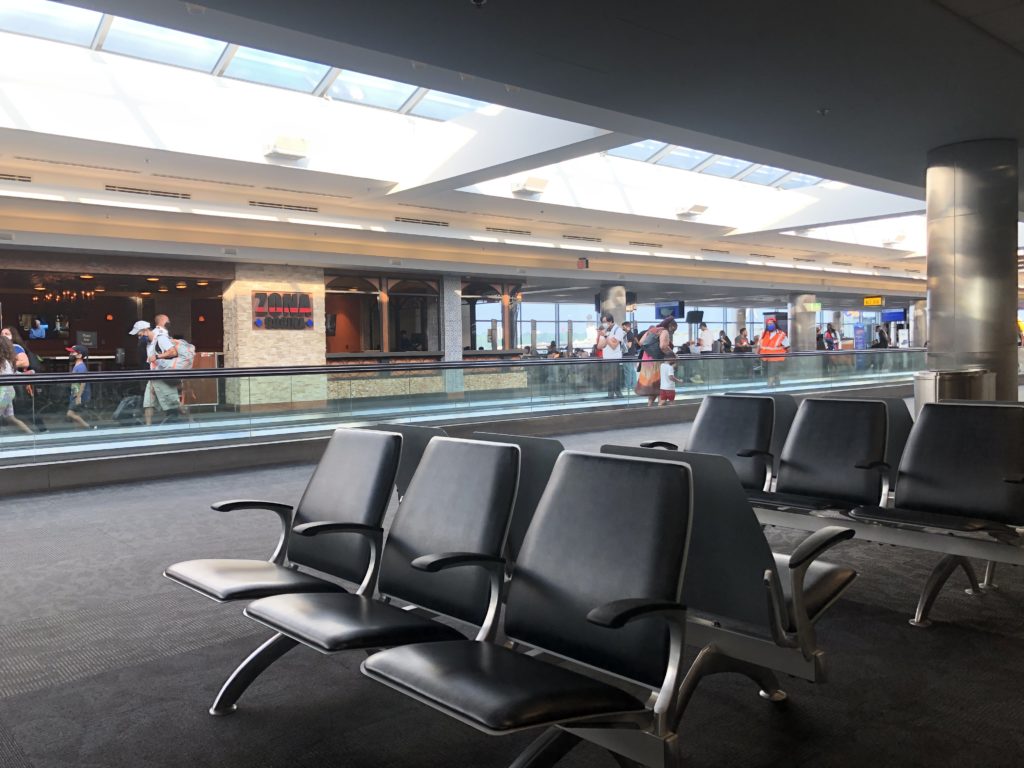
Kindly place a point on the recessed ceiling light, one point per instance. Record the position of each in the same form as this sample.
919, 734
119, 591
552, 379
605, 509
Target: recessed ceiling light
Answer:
202, 283
152, 279
100, 289
181, 286
39, 288
145, 293
85, 277
163, 289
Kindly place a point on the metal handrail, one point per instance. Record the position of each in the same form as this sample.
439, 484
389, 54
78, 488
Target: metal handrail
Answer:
306, 370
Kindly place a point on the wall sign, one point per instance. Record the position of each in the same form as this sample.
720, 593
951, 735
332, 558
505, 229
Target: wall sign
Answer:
874, 301
282, 311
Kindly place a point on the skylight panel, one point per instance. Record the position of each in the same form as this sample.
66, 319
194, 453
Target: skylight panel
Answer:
53, 21
684, 158
797, 180
765, 174
367, 89
445, 106
726, 167
641, 150
166, 46
274, 69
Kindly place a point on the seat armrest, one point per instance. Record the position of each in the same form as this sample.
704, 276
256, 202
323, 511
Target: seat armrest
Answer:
495, 569
1016, 479
316, 528
374, 534
671, 699
660, 444
284, 513
619, 613
441, 562
814, 545
749, 453
872, 465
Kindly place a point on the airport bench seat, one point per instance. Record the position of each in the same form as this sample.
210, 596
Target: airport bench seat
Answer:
352, 484
458, 502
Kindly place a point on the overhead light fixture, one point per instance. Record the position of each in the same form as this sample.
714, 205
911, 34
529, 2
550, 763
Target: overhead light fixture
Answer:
163, 289
287, 148
181, 286
690, 211
531, 185
39, 288
233, 214
100, 289
152, 279
145, 293
124, 204
85, 277
202, 283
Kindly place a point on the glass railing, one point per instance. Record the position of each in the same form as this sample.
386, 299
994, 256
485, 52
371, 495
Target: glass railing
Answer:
132, 411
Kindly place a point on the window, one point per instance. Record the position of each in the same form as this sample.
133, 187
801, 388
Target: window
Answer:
370, 90
445, 106
641, 150
353, 315
726, 167
53, 21
765, 174
274, 69
797, 180
414, 315
167, 46
684, 158
482, 316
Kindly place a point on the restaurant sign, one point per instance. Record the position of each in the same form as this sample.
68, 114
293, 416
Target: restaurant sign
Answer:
282, 311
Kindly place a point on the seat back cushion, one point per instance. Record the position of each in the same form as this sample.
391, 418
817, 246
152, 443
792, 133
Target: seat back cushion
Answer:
414, 442
727, 425
538, 457
957, 461
785, 411
728, 554
900, 424
607, 528
352, 483
826, 442
459, 500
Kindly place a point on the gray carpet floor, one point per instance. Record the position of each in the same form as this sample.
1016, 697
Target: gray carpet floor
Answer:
105, 664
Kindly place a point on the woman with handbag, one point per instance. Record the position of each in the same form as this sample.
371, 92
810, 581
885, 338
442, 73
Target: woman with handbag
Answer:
655, 346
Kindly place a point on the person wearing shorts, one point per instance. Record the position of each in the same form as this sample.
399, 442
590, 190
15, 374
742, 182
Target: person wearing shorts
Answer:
160, 351
78, 400
667, 393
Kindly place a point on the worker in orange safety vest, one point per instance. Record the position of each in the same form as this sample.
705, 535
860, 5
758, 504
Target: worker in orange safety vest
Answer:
773, 346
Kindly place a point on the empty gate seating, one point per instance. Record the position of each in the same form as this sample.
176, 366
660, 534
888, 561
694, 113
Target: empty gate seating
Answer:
726, 573
962, 473
455, 512
738, 428
351, 485
834, 457
414, 442
598, 583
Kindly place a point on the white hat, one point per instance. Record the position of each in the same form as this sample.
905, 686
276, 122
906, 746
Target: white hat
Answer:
140, 325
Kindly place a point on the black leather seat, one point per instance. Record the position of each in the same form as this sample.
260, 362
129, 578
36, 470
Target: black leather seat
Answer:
725, 576
963, 472
538, 457
586, 553
352, 483
458, 503
785, 412
834, 457
497, 689
415, 439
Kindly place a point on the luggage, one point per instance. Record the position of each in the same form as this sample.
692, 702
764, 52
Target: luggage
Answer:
129, 409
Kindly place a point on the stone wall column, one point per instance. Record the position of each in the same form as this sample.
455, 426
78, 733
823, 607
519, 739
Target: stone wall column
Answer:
451, 332
802, 321
246, 346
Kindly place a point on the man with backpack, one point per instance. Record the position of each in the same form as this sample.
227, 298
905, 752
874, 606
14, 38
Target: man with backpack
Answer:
161, 352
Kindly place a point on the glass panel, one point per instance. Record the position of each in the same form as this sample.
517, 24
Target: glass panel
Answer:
445, 106
765, 174
414, 323
54, 21
167, 46
370, 90
684, 158
274, 69
797, 180
641, 150
727, 167
353, 322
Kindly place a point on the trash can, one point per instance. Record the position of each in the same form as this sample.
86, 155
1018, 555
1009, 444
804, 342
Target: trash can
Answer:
965, 384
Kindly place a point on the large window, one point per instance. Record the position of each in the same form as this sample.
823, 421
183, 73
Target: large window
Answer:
483, 327
353, 315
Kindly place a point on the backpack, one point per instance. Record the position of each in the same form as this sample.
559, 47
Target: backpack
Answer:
652, 346
185, 354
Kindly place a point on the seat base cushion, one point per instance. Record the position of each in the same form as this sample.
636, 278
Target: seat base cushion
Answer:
797, 501
920, 519
823, 583
493, 688
337, 622
227, 579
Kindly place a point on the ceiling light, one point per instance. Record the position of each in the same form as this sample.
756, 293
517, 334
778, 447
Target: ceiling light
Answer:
30, 195
690, 211
39, 288
163, 289
145, 293
202, 283
580, 247
122, 204
234, 215
531, 243
152, 279
100, 289
628, 252
531, 185
483, 239
181, 286
85, 277
325, 223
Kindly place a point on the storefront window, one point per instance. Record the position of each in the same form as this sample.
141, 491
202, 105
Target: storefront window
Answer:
414, 315
353, 315
482, 326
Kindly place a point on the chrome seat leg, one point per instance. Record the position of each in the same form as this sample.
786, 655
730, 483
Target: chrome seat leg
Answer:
248, 671
938, 577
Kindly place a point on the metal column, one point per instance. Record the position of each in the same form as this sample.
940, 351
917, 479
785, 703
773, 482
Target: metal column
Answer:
972, 265
802, 321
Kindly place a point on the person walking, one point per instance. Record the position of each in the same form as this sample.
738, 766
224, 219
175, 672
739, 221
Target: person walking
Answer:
773, 347
667, 391
610, 338
81, 392
24, 396
160, 351
629, 354
7, 368
655, 346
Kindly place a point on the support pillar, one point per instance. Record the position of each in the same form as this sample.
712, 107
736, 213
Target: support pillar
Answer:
802, 321
451, 330
918, 316
972, 264
741, 321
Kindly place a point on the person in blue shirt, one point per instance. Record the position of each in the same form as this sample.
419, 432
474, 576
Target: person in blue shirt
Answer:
80, 393
38, 330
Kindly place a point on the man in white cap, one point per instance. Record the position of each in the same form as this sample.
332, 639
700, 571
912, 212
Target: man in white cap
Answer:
160, 351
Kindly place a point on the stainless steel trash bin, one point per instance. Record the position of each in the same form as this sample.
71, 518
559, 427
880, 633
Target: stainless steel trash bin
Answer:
966, 384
